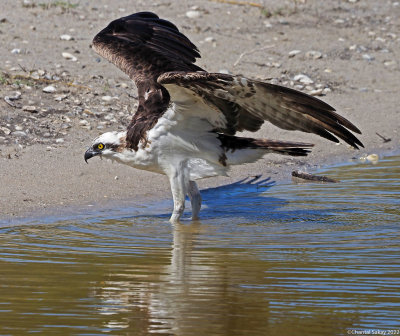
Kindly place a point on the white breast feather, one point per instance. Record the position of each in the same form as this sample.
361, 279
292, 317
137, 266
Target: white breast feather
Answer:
177, 137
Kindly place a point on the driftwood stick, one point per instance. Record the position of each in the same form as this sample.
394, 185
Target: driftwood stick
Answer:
44, 80
311, 177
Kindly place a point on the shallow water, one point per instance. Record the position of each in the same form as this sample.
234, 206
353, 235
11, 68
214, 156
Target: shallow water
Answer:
266, 259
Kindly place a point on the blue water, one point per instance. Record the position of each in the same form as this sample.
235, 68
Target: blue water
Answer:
266, 259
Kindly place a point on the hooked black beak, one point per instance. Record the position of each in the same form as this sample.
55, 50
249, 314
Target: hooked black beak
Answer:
90, 153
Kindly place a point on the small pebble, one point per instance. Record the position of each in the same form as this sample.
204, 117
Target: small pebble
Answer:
107, 98
373, 158
389, 63
15, 96
314, 54
16, 51
66, 37
193, 14
29, 108
19, 133
294, 53
267, 24
317, 92
69, 56
35, 75
303, 79
5, 130
49, 89
60, 97
60, 140
225, 71
368, 57
209, 39
18, 128
274, 65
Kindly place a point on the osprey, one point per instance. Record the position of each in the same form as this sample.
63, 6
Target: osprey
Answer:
187, 118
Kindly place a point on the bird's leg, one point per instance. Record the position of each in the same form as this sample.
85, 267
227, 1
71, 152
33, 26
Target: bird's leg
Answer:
179, 181
195, 199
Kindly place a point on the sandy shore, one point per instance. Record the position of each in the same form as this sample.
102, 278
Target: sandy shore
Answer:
43, 135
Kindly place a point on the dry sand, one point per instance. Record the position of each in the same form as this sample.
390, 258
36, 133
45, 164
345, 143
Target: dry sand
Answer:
41, 159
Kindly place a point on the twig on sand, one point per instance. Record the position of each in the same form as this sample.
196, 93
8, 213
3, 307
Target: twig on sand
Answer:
22, 68
311, 177
383, 138
248, 52
240, 3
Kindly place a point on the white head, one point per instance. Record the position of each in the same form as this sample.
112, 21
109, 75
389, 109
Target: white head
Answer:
107, 145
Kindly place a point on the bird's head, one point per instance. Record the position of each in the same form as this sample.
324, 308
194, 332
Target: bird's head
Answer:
108, 145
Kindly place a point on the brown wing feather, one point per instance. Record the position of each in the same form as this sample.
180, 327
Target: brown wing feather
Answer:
257, 101
144, 47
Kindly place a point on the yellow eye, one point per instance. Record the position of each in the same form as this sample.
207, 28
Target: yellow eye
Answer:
100, 146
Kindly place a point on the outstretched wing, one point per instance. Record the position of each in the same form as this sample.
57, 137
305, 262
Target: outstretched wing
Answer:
144, 47
243, 104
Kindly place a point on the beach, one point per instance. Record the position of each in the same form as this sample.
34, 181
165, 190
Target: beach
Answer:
57, 94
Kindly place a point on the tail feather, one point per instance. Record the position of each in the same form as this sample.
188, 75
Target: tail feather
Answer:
241, 150
283, 147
